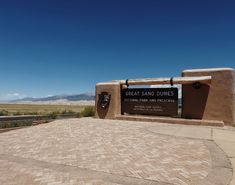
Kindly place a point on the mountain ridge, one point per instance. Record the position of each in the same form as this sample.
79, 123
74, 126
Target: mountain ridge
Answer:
73, 97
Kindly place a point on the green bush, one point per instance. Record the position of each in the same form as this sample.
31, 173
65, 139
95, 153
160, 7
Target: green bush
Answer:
17, 113
88, 112
78, 115
52, 115
68, 112
4, 113
10, 124
64, 112
71, 112
32, 113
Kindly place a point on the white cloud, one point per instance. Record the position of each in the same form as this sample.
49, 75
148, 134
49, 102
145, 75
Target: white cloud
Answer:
11, 96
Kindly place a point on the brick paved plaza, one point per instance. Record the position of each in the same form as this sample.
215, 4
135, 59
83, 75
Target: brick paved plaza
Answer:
93, 151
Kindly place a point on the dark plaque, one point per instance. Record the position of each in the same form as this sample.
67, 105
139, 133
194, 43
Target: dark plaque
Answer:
104, 99
150, 101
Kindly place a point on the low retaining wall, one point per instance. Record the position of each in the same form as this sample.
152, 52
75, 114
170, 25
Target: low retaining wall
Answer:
21, 118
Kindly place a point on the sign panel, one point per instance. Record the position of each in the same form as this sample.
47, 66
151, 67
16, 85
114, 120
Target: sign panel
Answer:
150, 101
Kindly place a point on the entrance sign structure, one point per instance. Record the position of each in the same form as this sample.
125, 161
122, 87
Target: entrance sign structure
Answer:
208, 98
150, 101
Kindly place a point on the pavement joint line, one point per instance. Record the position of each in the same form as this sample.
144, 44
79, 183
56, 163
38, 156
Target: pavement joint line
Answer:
209, 143
176, 136
212, 136
218, 156
115, 178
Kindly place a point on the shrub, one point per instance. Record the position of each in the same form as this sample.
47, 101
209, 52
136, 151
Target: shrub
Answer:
78, 115
32, 113
71, 112
17, 113
52, 115
68, 112
10, 124
64, 112
88, 112
4, 113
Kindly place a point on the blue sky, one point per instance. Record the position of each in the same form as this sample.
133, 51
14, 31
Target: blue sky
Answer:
54, 47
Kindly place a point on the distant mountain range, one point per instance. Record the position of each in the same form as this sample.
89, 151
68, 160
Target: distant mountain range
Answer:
75, 97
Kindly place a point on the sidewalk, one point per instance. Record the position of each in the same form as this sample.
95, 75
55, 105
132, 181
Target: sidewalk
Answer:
223, 137
113, 152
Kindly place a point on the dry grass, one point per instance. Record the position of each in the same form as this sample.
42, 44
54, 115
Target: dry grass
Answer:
14, 109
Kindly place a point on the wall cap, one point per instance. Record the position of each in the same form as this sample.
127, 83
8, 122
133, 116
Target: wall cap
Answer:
208, 70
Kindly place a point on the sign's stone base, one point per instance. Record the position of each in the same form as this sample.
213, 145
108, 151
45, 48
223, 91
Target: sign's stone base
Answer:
170, 120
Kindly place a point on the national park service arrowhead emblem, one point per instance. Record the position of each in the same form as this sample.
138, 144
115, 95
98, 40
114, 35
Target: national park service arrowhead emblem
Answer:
104, 98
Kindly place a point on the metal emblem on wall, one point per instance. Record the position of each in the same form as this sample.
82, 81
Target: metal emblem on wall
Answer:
150, 101
104, 99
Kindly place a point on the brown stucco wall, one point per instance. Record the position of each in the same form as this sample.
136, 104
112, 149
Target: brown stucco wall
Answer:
213, 102
114, 108
210, 102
